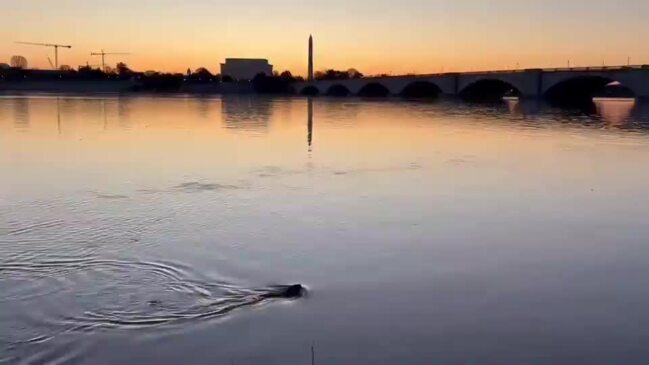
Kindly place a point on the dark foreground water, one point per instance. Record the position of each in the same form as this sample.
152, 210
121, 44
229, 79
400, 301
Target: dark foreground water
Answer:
148, 229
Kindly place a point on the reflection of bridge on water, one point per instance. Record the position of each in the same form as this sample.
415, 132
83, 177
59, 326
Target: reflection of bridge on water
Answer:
558, 83
619, 114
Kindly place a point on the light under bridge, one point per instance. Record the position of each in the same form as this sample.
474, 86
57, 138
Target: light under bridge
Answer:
570, 84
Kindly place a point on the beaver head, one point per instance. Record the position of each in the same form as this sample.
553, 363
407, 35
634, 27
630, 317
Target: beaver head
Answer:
286, 291
293, 291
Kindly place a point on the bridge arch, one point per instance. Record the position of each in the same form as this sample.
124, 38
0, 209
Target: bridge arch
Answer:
489, 89
338, 90
374, 89
310, 90
582, 89
421, 89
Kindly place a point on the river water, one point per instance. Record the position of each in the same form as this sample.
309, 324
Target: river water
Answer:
148, 229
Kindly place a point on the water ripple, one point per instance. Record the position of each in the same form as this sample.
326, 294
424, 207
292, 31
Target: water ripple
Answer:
88, 295
29, 228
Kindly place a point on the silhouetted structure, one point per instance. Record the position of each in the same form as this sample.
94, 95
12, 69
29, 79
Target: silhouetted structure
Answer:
246, 68
310, 72
56, 50
573, 85
103, 57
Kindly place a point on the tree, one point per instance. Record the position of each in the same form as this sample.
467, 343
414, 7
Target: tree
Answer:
200, 75
286, 75
354, 73
161, 82
203, 72
88, 72
271, 84
122, 69
331, 74
19, 62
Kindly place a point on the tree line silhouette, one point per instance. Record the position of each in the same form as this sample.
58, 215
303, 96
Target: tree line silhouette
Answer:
331, 74
277, 83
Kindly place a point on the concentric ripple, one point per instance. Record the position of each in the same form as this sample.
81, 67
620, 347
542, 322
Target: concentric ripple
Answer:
90, 294
82, 275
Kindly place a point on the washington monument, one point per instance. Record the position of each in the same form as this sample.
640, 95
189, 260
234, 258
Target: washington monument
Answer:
310, 76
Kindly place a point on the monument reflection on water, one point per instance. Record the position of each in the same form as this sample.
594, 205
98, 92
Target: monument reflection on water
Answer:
147, 228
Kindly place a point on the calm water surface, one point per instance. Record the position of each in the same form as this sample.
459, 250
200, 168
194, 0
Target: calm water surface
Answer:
145, 230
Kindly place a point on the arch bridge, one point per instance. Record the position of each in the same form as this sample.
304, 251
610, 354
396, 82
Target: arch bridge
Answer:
561, 84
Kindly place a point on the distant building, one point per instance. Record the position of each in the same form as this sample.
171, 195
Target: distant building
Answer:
245, 68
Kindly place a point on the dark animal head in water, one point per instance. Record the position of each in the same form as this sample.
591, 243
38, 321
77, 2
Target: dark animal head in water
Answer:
288, 291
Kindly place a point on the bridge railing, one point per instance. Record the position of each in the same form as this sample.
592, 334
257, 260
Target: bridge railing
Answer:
597, 68
556, 69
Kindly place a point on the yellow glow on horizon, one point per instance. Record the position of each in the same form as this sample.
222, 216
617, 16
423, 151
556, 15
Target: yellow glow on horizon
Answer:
374, 37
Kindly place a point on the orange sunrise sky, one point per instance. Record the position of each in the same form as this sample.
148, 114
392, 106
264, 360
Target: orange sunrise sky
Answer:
374, 36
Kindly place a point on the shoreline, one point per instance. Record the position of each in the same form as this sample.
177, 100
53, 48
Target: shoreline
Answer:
120, 87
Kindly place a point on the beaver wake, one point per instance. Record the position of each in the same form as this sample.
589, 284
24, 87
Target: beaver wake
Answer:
169, 313
100, 294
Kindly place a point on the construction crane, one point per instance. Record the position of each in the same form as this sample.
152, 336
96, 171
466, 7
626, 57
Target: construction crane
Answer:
56, 49
103, 56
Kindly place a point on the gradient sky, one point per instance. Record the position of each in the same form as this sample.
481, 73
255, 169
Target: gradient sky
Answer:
375, 36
